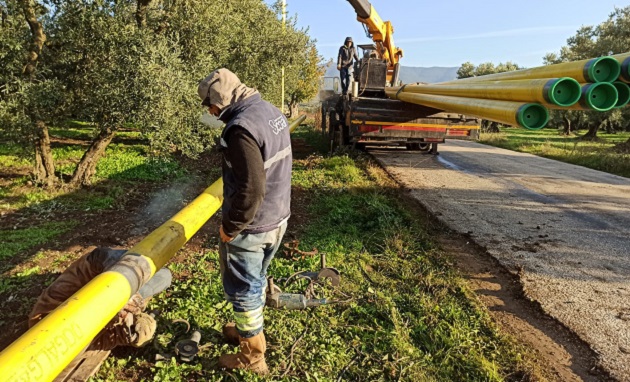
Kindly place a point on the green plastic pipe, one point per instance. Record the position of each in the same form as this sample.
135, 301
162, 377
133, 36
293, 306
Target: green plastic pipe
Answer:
563, 91
623, 93
47, 348
600, 97
624, 61
601, 69
531, 116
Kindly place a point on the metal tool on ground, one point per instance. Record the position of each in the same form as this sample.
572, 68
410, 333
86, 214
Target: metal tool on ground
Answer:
188, 349
296, 301
325, 273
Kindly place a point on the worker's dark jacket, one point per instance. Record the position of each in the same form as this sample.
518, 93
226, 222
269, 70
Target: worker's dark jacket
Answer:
345, 56
256, 167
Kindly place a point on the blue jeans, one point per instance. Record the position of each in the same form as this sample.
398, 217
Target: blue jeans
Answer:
344, 73
244, 262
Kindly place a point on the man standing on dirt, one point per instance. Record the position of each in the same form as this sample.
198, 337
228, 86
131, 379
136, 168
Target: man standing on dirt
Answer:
257, 163
347, 53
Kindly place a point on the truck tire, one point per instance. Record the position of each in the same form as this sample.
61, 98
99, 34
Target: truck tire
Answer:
333, 130
323, 116
418, 146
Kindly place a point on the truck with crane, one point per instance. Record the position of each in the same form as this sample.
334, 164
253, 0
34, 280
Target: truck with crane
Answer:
366, 116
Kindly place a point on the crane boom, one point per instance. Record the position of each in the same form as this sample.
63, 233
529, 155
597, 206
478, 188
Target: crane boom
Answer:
381, 32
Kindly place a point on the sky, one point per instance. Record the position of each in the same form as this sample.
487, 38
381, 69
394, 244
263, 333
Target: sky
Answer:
451, 32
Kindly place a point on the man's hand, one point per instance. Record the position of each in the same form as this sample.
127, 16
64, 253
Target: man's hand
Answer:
338, 67
224, 238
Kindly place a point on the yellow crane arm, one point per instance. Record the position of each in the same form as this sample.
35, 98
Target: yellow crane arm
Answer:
381, 32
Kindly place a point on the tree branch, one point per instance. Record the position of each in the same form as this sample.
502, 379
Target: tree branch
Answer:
37, 30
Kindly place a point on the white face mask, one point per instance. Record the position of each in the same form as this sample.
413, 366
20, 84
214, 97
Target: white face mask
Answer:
211, 121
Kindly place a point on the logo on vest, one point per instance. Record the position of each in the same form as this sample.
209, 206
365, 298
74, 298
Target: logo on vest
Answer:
278, 124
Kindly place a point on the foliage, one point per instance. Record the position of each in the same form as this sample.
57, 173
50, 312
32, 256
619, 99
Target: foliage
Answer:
610, 37
138, 63
468, 69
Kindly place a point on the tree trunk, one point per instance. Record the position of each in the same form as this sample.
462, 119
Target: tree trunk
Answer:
4, 16
141, 13
164, 23
37, 30
294, 109
566, 122
87, 165
591, 134
44, 163
489, 127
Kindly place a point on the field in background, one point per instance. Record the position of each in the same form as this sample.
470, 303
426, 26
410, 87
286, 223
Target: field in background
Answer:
548, 143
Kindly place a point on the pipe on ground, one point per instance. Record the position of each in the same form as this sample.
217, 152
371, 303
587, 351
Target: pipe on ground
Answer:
47, 348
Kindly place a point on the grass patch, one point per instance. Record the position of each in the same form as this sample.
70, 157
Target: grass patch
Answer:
19, 240
549, 143
11, 155
121, 162
407, 316
124, 162
19, 281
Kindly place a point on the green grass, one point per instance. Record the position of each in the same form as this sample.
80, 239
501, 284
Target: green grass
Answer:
85, 132
409, 316
11, 156
549, 143
15, 241
125, 162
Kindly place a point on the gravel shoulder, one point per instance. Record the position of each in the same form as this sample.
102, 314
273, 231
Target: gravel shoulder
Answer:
563, 229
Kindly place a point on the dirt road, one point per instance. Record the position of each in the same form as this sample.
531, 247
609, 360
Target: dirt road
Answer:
564, 229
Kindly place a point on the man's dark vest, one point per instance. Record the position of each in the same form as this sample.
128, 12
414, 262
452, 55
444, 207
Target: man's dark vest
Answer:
270, 129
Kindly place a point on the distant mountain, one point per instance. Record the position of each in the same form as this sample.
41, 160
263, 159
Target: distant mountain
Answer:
409, 74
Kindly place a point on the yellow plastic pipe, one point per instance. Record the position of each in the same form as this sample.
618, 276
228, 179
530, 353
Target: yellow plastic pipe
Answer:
555, 91
624, 61
601, 69
47, 348
531, 116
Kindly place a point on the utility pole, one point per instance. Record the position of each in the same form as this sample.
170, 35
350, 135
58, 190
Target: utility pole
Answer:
284, 21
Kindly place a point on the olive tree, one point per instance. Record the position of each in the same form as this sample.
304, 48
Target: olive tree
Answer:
610, 37
136, 63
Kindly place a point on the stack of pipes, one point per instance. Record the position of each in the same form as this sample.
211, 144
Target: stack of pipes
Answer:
523, 97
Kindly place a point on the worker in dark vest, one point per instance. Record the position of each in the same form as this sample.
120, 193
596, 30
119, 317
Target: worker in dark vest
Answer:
257, 162
347, 53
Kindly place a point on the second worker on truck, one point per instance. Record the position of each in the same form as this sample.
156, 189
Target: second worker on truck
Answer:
345, 58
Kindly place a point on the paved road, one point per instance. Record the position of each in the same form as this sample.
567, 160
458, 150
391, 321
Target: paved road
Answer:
565, 229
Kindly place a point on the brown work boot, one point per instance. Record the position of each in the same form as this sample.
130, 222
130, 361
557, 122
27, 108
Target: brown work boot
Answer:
251, 357
230, 334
